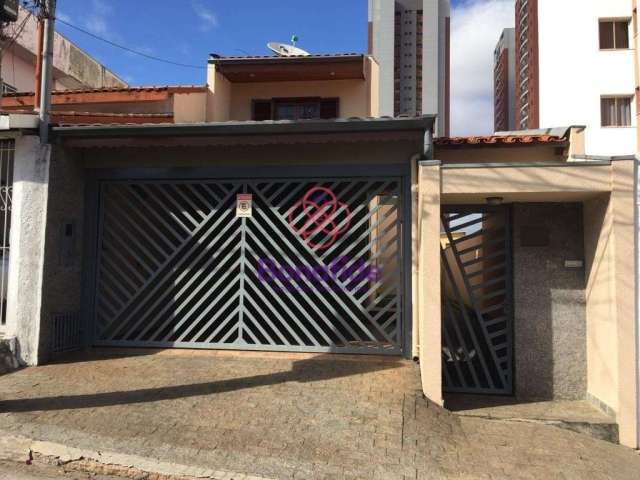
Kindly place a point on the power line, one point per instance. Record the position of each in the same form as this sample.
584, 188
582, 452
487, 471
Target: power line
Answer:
130, 50
16, 33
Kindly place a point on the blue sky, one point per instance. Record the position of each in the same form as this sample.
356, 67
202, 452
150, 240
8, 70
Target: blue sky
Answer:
186, 31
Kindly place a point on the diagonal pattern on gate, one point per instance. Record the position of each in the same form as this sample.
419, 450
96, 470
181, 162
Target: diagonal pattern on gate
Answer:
477, 325
177, 268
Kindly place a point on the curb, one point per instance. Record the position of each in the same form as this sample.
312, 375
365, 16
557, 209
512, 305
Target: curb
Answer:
17, 448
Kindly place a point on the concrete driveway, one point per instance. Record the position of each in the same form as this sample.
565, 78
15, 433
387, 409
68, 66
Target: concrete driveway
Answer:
285, 416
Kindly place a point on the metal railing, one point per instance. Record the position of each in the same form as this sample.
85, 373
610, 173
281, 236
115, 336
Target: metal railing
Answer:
7, 150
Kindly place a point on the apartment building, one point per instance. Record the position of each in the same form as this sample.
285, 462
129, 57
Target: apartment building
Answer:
410, 40
578, 72
504, 81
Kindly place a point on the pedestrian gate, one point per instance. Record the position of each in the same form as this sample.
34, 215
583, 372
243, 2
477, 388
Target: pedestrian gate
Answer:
258, 265
477, 330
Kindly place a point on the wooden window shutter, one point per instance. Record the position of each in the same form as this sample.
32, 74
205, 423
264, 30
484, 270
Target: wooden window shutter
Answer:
261, 110
329, 108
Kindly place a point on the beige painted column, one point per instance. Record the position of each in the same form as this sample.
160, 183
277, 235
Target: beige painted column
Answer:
623, 205
429, 313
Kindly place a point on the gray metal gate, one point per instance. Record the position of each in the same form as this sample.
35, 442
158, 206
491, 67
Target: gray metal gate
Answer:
7, 152
477, 293
260, 265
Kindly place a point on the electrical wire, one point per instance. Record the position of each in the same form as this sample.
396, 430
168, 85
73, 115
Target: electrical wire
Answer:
130, 50
16, 33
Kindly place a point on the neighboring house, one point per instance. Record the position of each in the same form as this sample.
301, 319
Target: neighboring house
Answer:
410, 40
504, 82
239, 88
575, 66
73, 67
158, 104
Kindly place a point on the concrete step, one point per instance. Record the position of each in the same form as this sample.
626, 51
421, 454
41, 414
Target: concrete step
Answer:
579, 416
8, 360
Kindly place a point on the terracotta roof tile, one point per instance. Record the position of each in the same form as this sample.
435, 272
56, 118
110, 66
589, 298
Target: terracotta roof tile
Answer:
153, 88
499, 140
101, 118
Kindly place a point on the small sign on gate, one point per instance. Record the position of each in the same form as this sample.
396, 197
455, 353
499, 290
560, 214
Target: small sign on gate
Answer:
244, 202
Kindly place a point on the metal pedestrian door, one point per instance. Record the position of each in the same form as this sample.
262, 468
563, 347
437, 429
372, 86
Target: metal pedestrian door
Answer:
293, 265
477, 300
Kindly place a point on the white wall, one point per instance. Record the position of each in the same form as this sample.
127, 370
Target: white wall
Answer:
382, 16
434, 60
574, 73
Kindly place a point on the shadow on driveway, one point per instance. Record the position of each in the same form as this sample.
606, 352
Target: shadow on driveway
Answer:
303, 371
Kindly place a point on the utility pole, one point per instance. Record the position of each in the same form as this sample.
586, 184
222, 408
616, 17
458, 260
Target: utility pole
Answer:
39, 49
49, 13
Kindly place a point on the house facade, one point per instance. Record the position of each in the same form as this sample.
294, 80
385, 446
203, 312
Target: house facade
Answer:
275, 209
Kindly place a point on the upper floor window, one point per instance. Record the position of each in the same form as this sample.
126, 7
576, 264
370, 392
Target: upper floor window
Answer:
616, 111
614, 34
306, 108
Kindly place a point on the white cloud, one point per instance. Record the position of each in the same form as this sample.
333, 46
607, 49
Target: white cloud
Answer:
64, 17
476, 26
208, 19
98, 21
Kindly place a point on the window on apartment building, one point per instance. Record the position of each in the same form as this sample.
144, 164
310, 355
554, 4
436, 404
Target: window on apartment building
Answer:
616, 111
295, 109
614, 34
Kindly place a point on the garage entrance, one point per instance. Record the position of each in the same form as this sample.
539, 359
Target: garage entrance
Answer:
290, 264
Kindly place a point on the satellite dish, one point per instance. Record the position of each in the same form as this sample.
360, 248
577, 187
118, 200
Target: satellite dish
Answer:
284, 50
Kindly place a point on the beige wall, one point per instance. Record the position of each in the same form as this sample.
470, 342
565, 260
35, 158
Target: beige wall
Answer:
623, 199
600, 292
353, 95
611, 284
233, 101
189, 107
218, 97
428, 306
525, 184
372, 72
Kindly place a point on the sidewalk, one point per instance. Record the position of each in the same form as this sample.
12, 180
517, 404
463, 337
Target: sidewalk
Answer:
279, 417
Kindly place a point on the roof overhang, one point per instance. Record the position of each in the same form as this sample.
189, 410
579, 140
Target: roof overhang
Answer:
243, 133
287, 69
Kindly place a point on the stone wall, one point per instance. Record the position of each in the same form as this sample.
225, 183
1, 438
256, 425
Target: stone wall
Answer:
550, 312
